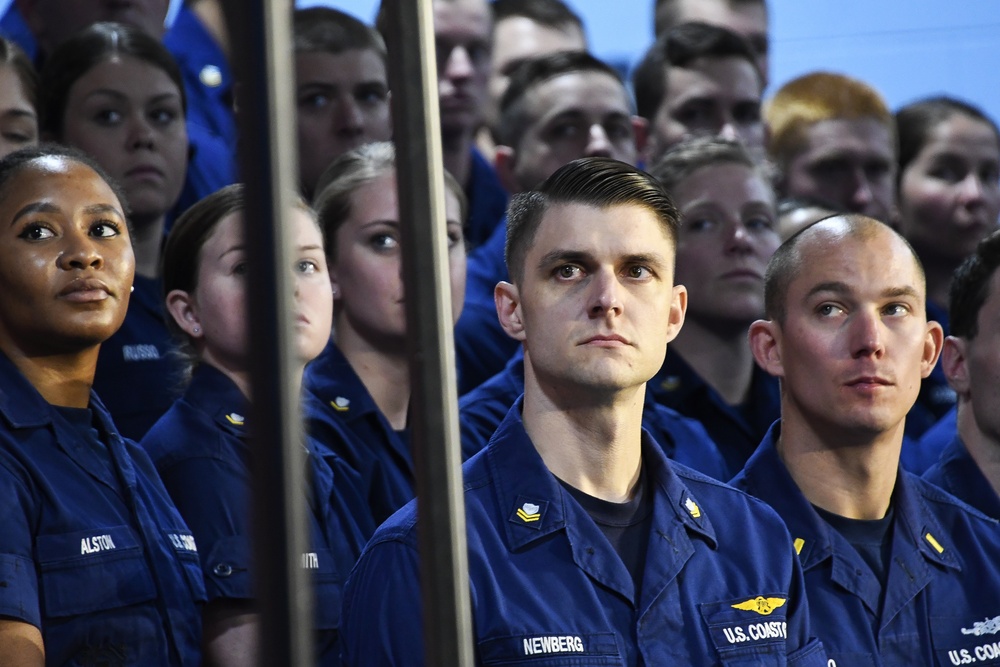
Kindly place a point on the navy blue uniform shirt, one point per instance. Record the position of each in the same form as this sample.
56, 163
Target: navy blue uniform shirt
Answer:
958, 474
92, 550
376, 451
918, 456
487, 201
942, 595
683, 440
201, 449
736, 430
482, 347
721, 584
138, 375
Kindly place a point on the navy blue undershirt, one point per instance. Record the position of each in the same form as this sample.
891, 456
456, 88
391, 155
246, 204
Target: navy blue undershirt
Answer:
626, 525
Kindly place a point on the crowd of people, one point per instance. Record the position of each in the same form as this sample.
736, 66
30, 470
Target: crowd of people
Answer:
728, 359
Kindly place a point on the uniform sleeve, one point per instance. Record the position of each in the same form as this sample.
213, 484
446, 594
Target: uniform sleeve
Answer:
381, 623
213, 497
804, 649
18, 576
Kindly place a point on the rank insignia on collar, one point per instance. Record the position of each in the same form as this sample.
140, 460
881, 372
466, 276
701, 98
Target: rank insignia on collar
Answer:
671, 383
760, 604
692, 507
934, 543
235, 419
341, 404
798, 544
529, 512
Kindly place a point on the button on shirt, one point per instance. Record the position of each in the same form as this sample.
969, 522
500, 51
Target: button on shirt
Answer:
721, 583
683, 440
376, 450
92, 550
201, 450
958, 474
942, 595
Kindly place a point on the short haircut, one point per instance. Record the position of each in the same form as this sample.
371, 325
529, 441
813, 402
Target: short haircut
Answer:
14, 57
666, 14
553, 14
533, 72
916, 121
352, 170
599, 182
970, 287
333, 31
84, 51
14, 163
678, 47
787, 259
687, 157
815, 97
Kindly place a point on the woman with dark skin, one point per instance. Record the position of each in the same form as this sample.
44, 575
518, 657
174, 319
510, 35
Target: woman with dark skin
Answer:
96, 565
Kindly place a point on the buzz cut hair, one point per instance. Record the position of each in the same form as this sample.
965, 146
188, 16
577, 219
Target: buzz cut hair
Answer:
970, 287
815, 97
786, 262
532, 72
599, 182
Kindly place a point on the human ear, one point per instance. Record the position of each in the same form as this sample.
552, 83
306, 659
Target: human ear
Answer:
933, 341
504, 160
955, 364
678, 307
508, 303
184, 309
765, 343
640, 129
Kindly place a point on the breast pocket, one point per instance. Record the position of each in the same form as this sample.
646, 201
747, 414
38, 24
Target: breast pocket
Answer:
88, 571
558, 649
748, 631
966, 640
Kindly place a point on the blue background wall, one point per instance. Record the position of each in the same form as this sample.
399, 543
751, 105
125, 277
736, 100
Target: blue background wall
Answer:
905, 48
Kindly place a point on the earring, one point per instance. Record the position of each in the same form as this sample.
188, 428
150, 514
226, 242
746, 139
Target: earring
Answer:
336, 291
131, 289
196, 330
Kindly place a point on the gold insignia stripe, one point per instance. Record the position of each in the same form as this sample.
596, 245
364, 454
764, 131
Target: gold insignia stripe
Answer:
528, 518
934, 543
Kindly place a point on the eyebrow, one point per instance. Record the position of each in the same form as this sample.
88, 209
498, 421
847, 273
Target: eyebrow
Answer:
838, 287
19, 113
235, 248
578, 256
162, 97
48, 207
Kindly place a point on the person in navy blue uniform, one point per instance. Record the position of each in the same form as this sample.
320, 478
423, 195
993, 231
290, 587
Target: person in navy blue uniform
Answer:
683, 440
96, 564
557, 108
463, 35
116, 93
586, 546
200, 446
341, 89
949, 199
727, 234
969, 466
897, 571
361, 379
18, 99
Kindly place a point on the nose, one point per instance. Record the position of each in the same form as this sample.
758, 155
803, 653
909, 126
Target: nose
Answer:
738, 238
862, 194
729, 131
598, 144
80, 252
972, 190
605, 295
141, 133
348, 118
458, 64
867, 338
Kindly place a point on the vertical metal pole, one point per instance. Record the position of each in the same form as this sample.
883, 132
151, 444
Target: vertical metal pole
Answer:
434, 404
261, 31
